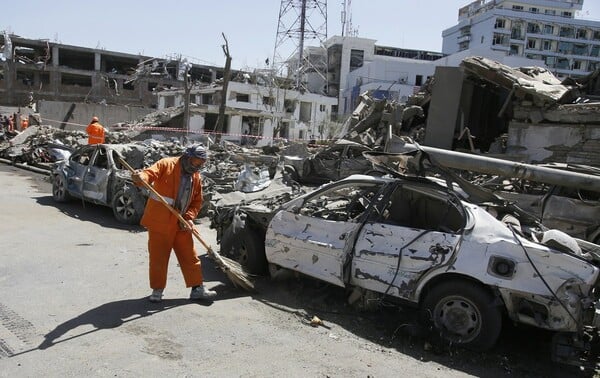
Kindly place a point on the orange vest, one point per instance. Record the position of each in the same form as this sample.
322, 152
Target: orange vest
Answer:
95, 133
164, 176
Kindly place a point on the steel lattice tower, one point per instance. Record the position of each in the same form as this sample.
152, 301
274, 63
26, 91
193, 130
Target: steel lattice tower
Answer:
302, 23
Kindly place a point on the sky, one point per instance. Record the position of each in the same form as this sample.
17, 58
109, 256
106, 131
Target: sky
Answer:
193, 29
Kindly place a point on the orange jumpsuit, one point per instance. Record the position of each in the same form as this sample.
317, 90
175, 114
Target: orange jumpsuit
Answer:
95, 133
164, 232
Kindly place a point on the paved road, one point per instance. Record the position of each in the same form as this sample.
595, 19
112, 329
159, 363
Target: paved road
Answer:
73, 287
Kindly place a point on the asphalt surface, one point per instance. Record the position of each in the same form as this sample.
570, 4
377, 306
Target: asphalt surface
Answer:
73, 288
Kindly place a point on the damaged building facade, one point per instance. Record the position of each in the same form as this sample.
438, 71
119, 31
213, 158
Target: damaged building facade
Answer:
256, 113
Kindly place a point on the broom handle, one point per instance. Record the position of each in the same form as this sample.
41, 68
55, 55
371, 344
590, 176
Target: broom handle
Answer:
171, 208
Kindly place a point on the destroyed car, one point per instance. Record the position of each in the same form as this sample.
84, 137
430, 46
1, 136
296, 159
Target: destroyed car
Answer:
413, 240
94, 174
341, 159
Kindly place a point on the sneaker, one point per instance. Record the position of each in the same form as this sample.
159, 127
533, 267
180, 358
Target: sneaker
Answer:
200, 292
156, 295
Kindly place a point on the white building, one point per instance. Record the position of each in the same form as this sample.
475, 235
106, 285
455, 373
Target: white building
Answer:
544, 30
256, 112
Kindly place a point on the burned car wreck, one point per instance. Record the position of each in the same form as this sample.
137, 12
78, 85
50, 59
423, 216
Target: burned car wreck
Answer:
429, 243
94, 174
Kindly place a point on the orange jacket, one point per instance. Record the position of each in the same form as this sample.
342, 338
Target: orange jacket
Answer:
95, 133
164, 176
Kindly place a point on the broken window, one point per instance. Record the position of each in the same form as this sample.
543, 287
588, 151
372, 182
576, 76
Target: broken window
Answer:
76, 80
101, 159
532, 43
547, 45
516, 33
548, 29
577, 65
500, 39
423, 209
565, 47
500, 23
206, 99
242, 97
567, 32
563, 63
344, 203
152, 86
580, 49
289, 106
83, 157
268, 100
581, 34
169, 101
357, 58
514, 50
305, 111
596, 35
532, 27
550, 61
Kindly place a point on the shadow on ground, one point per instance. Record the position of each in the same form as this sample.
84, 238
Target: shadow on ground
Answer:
89, 212
521, 351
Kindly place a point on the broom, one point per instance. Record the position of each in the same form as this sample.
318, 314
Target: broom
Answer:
234, 270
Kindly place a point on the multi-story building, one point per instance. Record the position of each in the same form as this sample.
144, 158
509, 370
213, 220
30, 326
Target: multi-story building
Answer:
545, 30
254, 109
36, 69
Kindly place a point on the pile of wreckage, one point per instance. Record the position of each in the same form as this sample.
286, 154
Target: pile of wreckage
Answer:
527, 104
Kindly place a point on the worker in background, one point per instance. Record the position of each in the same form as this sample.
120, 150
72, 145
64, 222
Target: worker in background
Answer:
24, 123
95, 132
178, 180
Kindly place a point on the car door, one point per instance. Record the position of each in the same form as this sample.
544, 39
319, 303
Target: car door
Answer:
96, 177
316, 238
417, 229
77, 168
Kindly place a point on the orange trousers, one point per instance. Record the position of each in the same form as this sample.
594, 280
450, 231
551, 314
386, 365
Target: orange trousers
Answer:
160, 246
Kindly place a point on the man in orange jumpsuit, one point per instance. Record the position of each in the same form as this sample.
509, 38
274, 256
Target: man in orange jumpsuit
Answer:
95, 132
178, 181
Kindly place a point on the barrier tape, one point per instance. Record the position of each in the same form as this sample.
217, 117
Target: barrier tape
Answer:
144, 128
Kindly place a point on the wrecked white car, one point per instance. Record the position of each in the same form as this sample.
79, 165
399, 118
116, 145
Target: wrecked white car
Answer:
412, 239
94, 174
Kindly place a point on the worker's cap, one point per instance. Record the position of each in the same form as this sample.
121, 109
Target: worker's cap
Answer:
198, 151
95, 119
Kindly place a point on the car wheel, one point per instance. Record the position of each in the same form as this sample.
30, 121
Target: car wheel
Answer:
246, 247
59, 189
291, 172
128, 206
463, 314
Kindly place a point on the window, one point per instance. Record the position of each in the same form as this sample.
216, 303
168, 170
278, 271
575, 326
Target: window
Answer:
514, 49
534, 10
531, 43
269, 101
577, 65
207, 99
567, 14
289, 105
517, 7
500, 23
499, 39
550, 61
548, 29
533, 28
562, 63
595, 50
580, 49
581, 34
322, 108
565, 47
345, 203
357, 58
596, 35
516, 33
419, 80
305, 111
550, 12
547, 45
567, 32
242, 97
